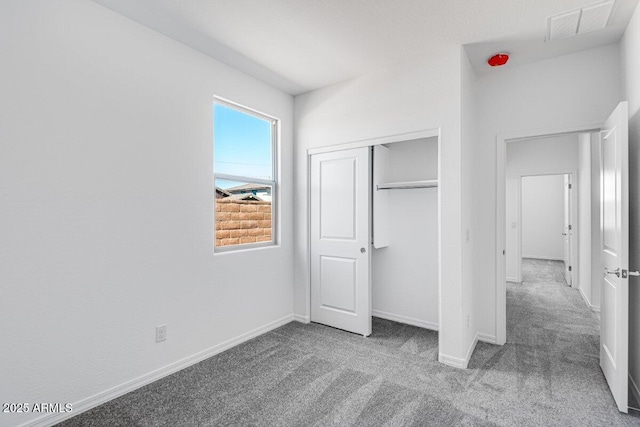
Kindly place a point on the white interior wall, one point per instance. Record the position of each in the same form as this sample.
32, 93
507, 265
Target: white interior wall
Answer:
542, 156
512, 255
469, 146
630, 46
580, 89
404, 275
393, 101
537, 156
542, 201
106, 194
584, 215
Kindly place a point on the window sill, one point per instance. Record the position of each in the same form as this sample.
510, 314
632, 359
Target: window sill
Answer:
244, 248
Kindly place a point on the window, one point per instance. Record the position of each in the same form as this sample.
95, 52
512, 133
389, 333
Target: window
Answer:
244, 150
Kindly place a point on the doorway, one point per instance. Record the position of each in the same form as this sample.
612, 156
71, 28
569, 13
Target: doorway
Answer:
614, 208
542, 221
530, 154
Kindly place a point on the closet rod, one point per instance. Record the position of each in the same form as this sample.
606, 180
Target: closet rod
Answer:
407, 185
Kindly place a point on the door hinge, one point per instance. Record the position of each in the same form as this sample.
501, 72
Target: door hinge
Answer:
570, 268
569, 227
504, 251
569, 186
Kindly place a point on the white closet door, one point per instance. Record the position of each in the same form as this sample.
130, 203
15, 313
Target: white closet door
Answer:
340, 236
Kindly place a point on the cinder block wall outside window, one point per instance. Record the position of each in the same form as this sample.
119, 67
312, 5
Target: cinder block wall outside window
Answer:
242, 221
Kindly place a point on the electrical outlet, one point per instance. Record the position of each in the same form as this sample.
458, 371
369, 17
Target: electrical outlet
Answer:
161, 333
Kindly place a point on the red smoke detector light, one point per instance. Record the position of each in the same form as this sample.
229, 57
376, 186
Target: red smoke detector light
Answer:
498, 59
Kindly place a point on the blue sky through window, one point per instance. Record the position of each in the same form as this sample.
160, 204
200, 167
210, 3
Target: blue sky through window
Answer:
242, 145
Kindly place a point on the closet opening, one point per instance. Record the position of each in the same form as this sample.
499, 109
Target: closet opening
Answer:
404, 259
374, 246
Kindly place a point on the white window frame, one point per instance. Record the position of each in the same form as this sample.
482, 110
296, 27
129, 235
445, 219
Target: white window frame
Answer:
275, 139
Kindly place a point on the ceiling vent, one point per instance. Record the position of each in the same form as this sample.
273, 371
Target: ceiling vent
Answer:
579, 21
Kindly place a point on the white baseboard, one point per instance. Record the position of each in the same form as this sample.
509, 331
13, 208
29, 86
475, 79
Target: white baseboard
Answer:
634, 389
544, 258
404, 319
302, 319
592, 307
470, 351
455, 362
129, 386
584, 297
491, 339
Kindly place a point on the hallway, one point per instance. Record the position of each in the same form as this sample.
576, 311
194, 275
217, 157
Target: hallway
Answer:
553, 347
544, 308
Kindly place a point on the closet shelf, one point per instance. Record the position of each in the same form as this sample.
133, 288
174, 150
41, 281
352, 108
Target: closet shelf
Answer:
407, 184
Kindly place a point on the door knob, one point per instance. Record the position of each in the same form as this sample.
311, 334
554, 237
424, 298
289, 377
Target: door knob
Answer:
616, 271
363, 250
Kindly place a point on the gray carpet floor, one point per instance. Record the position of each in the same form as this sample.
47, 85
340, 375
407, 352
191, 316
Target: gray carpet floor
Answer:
311, 375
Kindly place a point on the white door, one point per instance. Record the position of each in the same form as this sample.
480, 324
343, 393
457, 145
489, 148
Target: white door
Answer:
566, 233
340, 238
614, 224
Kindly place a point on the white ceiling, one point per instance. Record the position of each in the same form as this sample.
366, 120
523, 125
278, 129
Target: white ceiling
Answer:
302, 45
